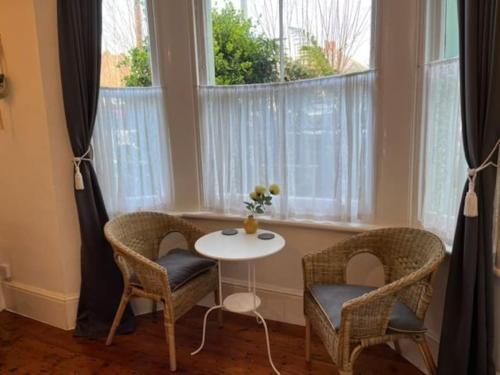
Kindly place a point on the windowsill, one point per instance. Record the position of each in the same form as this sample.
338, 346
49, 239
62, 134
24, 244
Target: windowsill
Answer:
300, 223
324, 225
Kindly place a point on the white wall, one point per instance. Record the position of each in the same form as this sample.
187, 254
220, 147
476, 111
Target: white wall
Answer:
40, 238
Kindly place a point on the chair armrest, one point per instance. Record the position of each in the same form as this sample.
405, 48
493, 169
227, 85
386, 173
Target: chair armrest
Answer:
152, 277
368, 315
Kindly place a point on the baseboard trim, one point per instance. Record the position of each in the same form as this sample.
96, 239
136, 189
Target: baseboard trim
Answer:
263, 287
278, 303
53, 308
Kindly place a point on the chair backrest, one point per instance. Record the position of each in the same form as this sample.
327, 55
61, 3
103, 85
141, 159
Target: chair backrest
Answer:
135, 239
405, 252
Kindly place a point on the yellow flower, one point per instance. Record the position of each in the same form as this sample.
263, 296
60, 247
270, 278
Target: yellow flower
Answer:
253, 195
260, 190
274, 189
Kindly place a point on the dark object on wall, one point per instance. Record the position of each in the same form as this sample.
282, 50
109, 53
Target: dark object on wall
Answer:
79, 29
466, 345
3, 86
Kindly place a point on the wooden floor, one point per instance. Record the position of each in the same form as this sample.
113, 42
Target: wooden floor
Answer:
29, 347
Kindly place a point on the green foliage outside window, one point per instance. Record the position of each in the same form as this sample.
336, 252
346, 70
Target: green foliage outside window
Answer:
241, 55
137, 60
244, 56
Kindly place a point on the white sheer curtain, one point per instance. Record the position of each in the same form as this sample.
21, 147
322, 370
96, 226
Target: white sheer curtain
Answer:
445, 169
315, 138
130, 141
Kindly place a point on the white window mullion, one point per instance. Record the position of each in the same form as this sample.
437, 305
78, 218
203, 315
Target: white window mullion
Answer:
282, 42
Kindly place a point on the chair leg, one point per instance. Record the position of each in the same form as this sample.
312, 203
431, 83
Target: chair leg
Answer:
346, 366
220, 317
397, 347
154, 310
345, 369
170, 337
118, 316
426, 354
308, 340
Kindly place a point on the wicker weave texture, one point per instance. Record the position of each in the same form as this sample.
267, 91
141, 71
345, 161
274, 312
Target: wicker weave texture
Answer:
135, 239
409, 258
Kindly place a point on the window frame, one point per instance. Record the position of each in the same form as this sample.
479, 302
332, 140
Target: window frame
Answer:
431, 50
156, 84
394, 52
198, 14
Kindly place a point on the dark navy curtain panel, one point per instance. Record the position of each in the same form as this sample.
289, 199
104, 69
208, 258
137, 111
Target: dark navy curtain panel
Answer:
466, 345
79, 30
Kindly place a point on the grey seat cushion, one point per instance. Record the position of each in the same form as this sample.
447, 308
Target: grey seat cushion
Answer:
332, 297
182, 266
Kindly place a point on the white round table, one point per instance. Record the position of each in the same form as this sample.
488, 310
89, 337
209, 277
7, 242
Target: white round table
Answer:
239, 247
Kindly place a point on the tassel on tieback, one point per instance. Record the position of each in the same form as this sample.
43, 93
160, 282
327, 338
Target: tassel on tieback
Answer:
79, 185
470, 204
471, 201
78, 179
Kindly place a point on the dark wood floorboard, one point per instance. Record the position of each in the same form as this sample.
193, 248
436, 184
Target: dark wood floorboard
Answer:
30, 347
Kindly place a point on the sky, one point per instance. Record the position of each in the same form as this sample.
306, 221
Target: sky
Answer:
118, 26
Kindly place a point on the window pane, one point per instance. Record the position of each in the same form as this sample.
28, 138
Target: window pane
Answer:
245, 41
326, 37
131, 145
441, 30
131, 139
444, 169
125, 59
320, 38
451, 30
315, 138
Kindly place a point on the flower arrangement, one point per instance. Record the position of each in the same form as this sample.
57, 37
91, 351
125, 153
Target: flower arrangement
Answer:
261, 198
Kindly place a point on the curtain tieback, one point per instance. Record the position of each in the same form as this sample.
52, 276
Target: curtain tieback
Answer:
470, 204
79, 185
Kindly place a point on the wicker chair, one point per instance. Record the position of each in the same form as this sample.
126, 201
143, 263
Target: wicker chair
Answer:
350, 318
135, 239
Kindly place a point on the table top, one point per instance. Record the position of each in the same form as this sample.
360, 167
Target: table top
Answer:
240, 246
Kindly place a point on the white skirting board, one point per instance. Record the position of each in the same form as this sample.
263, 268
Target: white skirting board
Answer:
55, 309
281, 304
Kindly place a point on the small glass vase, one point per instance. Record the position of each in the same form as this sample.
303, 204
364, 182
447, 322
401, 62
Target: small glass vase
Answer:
251, 225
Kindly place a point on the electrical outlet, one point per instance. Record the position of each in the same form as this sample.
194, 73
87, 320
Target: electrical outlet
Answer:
3, 86
5, 273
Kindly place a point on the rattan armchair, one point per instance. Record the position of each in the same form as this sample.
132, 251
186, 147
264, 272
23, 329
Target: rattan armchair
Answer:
135, 239
409, 258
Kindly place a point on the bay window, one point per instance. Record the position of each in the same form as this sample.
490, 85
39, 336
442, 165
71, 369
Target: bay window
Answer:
286, 95
281, 91
444, 169
130, 140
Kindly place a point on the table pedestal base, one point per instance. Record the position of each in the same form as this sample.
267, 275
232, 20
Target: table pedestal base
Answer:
240, 303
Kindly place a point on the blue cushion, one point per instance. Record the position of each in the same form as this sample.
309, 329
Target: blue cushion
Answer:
331, 297
182, 266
